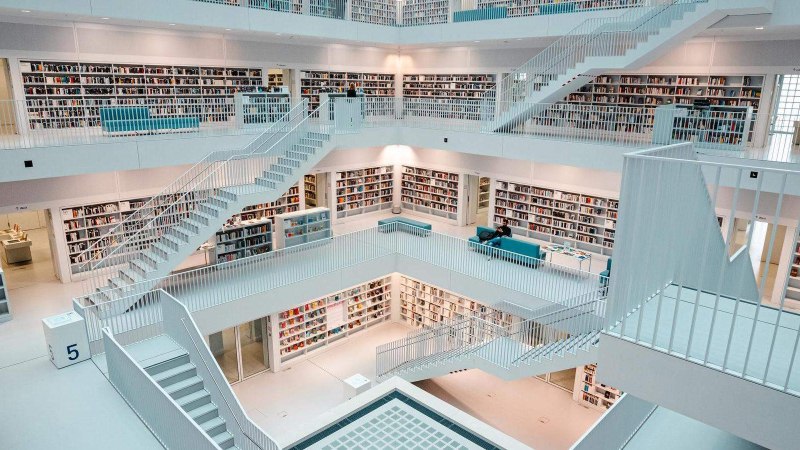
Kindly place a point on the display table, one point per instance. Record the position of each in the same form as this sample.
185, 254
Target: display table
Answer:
16, 251
355, 385
579, 255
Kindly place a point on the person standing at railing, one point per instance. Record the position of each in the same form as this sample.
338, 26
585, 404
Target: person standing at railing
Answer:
351, 91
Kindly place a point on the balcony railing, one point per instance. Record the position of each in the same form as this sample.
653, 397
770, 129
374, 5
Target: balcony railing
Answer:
406, 13
688, 277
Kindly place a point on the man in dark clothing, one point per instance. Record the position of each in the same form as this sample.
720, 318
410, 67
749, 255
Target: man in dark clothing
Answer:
351, 91
502, 230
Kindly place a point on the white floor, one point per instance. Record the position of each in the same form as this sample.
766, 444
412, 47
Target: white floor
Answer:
532, 411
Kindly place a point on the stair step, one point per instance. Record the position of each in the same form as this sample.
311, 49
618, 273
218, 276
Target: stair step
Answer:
191, 224
118, 283
200, 217
162, 250
203, 412
288, 162
130, 275
209, 209
184, 387
174, 242
143, 266
278, 168
270, 184
194, 400
214, 426
160, 365
219, 201
297, 155
181, 232
307, 149
227, 195
224, 440
152, 257
175, 374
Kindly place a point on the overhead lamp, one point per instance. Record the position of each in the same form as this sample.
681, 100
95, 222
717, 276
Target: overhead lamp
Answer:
26, 10
172, 24
759, 28
104, 18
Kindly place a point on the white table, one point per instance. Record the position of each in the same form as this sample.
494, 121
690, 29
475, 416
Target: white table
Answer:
579, 255
355, 385
16, 251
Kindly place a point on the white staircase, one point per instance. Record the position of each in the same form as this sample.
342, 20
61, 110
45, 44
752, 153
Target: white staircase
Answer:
549, 342
178, 376
629, 41
161, 234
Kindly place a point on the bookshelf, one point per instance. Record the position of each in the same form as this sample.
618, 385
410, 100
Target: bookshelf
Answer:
554, 215
364, 190
310, 186
589, 392
324, 320
302, 227
793, 280
314, 82
424, 305
5, 306
260, 107
648, 91
721, 127
378, 12
86, 225
275, 78
484, 192
242, 238
67, 94
424, 12
429, 191
447, 86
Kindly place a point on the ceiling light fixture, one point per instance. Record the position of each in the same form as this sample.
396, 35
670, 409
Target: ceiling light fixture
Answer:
172, 24
26, 10
104, 18
476, 41
227, 29
759, 28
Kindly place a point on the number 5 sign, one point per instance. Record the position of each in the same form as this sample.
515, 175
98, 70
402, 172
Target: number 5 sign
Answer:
66, 339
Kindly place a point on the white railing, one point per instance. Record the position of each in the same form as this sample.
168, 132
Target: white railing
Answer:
612, 36
56, 122
693, 292
156, 218
180, 326
718, 127
170, 424
210, 286
427, 12
615, 428
524, 342
444, 342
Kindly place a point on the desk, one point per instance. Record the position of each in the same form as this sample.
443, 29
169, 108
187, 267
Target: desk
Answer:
15, 251
580, 255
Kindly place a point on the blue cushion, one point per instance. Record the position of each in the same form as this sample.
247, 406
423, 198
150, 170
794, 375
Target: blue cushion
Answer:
163, 123
124, 113
608, 265
470, 15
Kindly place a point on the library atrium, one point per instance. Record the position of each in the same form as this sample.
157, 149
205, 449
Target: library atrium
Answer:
400, 224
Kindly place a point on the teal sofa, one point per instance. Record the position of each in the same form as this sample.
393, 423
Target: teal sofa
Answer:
405, 224
534, 253
606, 274
471, 15
129, 119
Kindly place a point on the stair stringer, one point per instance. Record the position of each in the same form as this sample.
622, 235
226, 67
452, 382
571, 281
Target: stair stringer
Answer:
243, 197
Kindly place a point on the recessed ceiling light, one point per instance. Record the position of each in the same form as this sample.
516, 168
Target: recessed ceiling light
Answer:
104, 18
277, 34
759, 28
172, 24
519, 39
476, 41
26, 10
227, 29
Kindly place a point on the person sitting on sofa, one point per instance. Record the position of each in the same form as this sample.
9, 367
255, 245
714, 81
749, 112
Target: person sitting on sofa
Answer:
502, 230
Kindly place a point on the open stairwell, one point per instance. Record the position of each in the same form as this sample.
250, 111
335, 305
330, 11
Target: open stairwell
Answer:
549, 342
163, 233
627, 42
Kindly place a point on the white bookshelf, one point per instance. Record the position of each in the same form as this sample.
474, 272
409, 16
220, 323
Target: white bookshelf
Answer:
793, 280
364, 190
425, 12
79, 89
647, 91
314, 82
379, 12
310, 186
590, 393
322, 321
424, 305
275, 78
86, 225
429, 191
588, 221
5, 306
484, 192
302, 227
447, 86
242, 238
289, 202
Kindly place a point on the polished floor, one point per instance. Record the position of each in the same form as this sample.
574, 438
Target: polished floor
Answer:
530, 410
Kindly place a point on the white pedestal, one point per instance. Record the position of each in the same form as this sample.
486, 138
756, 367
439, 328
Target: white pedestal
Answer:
65, 335
355, 385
